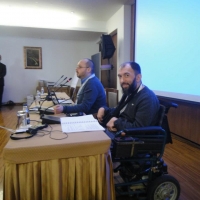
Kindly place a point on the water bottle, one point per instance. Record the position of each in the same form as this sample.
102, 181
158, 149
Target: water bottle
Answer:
42, 90
25, 109
38, 93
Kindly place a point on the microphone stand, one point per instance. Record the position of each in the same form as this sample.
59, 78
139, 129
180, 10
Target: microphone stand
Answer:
55, 85
57, 81
49, 96
63, 84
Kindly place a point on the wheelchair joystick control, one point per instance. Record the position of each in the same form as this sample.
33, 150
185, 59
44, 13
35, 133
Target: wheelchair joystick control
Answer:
120, 134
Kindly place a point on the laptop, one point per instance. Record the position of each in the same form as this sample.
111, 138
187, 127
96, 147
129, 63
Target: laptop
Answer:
55, 100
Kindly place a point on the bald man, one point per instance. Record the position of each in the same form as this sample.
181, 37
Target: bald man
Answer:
91, 95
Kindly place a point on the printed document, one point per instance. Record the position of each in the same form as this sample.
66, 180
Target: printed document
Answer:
80, 124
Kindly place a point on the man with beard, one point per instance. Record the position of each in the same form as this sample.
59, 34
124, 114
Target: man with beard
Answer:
138, 106
91, 95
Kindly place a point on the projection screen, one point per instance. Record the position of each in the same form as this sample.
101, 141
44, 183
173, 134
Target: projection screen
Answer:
168, 47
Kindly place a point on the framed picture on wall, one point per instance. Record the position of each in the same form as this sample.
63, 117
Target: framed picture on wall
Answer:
32, 57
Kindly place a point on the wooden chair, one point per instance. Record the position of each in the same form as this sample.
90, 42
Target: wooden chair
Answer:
73, 93
111, 97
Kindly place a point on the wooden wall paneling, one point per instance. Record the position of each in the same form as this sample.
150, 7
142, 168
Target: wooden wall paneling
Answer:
104, 74
178, 119
194, 123
185, 120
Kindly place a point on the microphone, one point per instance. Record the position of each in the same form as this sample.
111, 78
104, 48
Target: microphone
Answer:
61, 85
50, 91
66, 82
62, 81
57, 81
48, 97
39, 109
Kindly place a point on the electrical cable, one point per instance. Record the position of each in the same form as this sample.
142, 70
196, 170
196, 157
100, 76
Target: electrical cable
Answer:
50, 134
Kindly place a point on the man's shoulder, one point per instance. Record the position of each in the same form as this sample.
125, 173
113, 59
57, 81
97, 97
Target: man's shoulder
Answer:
146, 90
2, 65
145, 93
95, 84
94, 80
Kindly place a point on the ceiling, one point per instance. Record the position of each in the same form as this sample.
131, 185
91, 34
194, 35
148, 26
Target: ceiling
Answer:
43, 33
87, 10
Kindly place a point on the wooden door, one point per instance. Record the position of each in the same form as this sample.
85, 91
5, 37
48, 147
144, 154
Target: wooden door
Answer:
109, 77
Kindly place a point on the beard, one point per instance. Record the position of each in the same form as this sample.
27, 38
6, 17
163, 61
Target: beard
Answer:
132, 87
77, 75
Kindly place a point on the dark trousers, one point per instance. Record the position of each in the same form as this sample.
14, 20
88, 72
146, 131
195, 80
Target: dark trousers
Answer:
1, 94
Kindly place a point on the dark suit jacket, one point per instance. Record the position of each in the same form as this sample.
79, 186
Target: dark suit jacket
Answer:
2, 73
91, 98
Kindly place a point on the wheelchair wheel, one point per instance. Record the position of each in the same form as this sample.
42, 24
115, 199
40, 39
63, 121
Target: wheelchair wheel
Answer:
164, 187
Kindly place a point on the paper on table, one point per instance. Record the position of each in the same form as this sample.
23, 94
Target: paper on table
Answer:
65, 101
48, 108
33, 109
80, 124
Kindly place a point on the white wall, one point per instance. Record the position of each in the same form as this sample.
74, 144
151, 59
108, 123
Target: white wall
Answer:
121, 21
59, 57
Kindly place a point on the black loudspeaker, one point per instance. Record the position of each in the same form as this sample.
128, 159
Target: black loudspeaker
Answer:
107, 46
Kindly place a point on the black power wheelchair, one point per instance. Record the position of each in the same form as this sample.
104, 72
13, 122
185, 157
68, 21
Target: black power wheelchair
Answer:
142, 171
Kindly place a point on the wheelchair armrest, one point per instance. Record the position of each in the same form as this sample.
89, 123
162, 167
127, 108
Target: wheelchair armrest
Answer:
168, 104
143, 140
140, 132
147, 129
174, 105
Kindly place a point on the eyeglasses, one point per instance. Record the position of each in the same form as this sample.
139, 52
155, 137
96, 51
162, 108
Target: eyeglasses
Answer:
79, 67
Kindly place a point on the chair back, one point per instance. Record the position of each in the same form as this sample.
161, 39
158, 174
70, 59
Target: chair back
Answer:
161, 114
111, 97
163, 122
73, 93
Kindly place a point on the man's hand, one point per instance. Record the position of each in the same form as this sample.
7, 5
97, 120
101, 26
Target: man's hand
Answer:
58, 109
100, 114
110, 124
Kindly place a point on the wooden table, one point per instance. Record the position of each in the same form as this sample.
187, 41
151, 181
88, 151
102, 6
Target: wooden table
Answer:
77, 167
